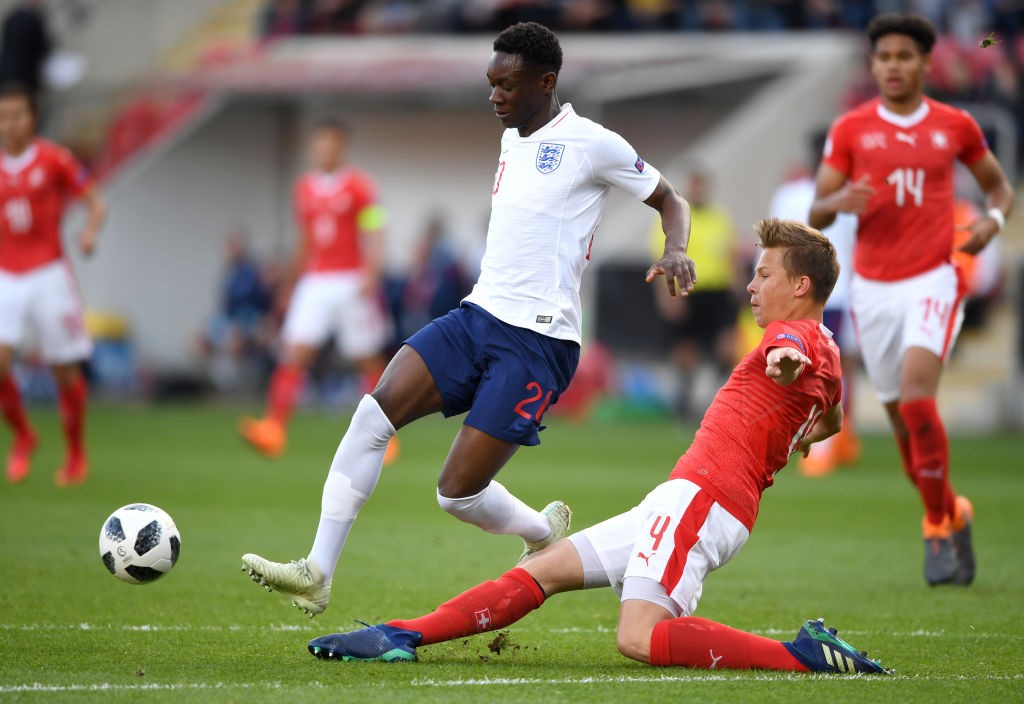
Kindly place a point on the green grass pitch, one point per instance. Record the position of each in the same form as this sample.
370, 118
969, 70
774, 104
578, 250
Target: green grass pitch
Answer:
846, 547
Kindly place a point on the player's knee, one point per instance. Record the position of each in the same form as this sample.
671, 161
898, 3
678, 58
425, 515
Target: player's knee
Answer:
462, 507
457, 488
634, 643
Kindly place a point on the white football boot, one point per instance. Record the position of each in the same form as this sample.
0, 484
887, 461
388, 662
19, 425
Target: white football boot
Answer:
559, 516
299, 580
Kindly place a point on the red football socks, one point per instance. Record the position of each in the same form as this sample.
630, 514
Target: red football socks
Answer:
903, 442
71, 401
929, 451
285, 386
697, 642
12, 408
486, 607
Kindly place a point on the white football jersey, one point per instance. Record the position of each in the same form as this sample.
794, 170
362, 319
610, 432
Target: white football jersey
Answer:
549, 193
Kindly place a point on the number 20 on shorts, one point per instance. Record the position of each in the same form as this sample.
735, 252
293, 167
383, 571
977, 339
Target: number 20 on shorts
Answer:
537, 393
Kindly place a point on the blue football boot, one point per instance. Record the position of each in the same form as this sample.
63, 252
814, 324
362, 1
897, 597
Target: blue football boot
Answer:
374, 643
820, 649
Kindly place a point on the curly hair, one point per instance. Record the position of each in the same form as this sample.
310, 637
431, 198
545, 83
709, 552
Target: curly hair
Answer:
535, 43
914, 26
805, 251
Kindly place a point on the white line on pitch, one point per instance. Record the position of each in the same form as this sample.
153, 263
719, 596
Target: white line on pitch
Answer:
141, 687
628, 679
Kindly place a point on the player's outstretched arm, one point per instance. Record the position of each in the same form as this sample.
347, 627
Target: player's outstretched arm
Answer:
830, 423
678, 269
835, 195
97, 214
784, 364
999, 198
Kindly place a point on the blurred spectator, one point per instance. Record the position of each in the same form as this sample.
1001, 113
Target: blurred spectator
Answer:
702, 325
236, 340
434, 285
335, 16
281, 18
24, 45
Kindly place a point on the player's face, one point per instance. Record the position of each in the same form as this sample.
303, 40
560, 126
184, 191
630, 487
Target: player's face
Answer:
899, 67
17, 125
521, 95
771, 290
327, 150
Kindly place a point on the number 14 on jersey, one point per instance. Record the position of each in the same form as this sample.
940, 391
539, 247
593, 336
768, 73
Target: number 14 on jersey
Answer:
907, 182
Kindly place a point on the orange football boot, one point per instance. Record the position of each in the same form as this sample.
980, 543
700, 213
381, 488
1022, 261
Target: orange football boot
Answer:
821, 460
394, 450
19, 459
847, 446
266, 435
74, 471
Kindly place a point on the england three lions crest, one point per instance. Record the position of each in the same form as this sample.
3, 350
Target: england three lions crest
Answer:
549, 156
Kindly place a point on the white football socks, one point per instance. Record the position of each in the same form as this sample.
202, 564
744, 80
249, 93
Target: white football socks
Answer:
496, 510
354, 473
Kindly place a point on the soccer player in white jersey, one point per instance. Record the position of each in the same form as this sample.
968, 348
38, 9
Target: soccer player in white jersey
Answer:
511, 348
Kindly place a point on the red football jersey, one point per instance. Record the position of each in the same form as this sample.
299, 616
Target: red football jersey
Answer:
753, 425
328, 208
35, 188
908, 226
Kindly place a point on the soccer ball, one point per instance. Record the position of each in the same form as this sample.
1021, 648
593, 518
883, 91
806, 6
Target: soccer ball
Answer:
139, 543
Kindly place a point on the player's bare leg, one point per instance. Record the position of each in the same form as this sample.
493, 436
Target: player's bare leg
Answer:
406, 392
649, 633
268, 435
72, 396
24, 441
466, 489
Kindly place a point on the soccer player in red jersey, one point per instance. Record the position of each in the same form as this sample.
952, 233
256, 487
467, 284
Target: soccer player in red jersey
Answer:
783, 396
337, 267
891, 161
38, 179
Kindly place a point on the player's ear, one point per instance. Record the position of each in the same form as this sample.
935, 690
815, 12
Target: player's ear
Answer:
802, 286
548, 81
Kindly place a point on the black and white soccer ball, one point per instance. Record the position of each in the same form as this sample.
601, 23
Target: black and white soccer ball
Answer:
139, 543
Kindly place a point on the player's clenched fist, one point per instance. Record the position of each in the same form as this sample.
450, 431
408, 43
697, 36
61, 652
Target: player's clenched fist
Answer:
854, 196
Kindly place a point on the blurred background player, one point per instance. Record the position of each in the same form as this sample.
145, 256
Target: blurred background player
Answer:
337, 289
38, 292
702, 325
781, 397
509, 351
792, 201
890, 161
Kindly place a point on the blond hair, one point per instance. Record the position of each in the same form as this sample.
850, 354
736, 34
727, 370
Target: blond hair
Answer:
805, 252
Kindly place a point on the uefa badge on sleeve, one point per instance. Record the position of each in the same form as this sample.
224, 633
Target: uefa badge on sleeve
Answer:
549, 156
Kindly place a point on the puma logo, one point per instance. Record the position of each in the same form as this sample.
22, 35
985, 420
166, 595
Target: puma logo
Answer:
714, 660
646, 558
910, 139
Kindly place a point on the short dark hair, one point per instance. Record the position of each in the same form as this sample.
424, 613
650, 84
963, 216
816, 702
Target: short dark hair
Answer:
805, 252
14, 89
333, 124
914, 26
537, 44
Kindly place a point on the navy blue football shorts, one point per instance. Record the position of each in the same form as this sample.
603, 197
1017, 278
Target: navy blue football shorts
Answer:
505, 376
